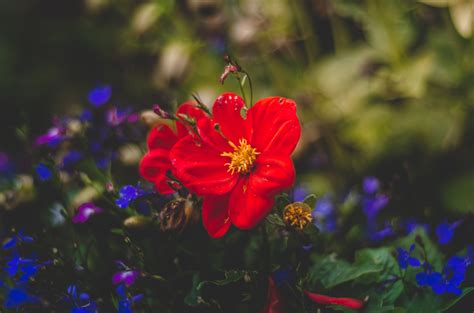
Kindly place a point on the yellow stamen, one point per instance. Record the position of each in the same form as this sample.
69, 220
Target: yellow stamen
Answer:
242, 158
297, 214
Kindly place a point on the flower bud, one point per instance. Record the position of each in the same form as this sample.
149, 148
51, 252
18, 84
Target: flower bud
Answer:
177, 215
137, 221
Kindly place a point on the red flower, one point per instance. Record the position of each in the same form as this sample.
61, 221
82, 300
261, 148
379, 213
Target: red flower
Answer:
156, 163
239, 164
346, 302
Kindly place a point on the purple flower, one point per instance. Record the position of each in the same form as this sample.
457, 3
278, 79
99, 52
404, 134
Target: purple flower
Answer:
84, 212
126, 277
4, 162
411, 225
115, 116
373, 204
299, 193
405, 259
445, 232
99, 95
379, 235
44, 172
371, 185
52, 137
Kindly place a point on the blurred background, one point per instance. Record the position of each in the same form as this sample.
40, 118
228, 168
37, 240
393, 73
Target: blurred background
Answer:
383, 88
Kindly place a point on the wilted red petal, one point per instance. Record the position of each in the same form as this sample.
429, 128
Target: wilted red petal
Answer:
273, 304
272, 174
227, 113
215, 215
154, 166
246, 207
276, 127
161, 136
346, 302
201, 168
193, 112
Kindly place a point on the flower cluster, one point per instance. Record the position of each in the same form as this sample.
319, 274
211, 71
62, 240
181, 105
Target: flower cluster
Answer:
19, 269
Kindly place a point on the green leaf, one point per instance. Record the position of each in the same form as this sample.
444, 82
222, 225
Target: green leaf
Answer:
371, 265
452, 303
423, 303
310, 200
275, 219
193, 295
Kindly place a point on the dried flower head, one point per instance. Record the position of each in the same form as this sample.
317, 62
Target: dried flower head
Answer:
297, 214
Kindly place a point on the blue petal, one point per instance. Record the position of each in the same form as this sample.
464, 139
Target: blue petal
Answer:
414, 262
99, 95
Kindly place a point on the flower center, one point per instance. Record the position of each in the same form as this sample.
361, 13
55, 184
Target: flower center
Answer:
242, 158
297, 214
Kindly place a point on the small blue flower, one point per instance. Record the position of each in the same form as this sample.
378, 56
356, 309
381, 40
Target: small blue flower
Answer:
324, 214
16, 239
445, 232
371, 185
125, 304
44, 172
80, 303
129, 194
18, 296
99, 95
71, 158
405, 259
449, 280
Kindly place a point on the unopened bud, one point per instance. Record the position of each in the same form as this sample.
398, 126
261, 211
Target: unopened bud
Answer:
160, 112
177, 215
137, 221
150, 118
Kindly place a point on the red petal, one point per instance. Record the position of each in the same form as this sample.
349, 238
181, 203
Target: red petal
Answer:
201, 168
227, 113
273, 305
346, 302
161, 136
246, 207
276, 127
215, 215
272, 174
193, 112
153, 167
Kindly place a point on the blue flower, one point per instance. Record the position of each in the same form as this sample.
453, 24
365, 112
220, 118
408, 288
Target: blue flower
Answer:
445, 232
99, 95
371, 185
379, 235
17, 297
44, 172
16, 239
299, 193
71, 158
128, 194
324, 215
373, 204
125, 304
449, 280
405, 259
80, 303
